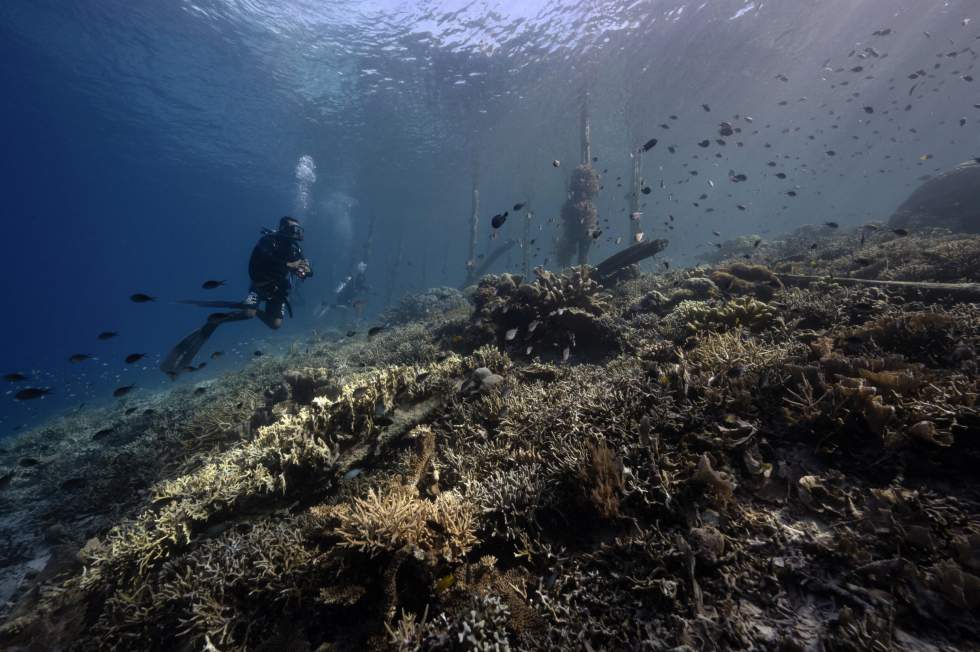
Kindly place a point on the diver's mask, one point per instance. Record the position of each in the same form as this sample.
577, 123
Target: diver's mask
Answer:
291, 230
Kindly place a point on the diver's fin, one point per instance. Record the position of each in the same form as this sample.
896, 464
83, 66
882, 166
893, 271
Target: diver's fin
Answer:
235, 305
183, 354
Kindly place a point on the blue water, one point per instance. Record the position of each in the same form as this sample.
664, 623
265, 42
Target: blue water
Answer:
144, 144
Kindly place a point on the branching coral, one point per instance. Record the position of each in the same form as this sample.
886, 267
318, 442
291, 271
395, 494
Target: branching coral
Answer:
384, 522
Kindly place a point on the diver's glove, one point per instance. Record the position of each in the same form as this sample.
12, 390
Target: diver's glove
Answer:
302, 269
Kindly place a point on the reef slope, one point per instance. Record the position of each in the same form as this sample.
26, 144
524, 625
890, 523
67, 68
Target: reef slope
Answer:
707, 459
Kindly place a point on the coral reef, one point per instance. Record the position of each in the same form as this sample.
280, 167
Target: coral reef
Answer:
425, 305
554, 315
732, 472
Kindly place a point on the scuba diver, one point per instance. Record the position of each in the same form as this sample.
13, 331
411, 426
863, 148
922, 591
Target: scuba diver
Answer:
349, 294
275, 260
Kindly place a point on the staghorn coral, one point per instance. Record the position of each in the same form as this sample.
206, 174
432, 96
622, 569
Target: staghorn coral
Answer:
288, 452
202, 594
384, 522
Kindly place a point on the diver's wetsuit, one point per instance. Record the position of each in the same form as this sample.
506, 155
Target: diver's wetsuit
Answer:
352, 290
270, 271
271, 280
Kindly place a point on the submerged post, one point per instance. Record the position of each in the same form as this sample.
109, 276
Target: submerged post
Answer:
474, 224
393, 275
586, 128
635, 226
526, 244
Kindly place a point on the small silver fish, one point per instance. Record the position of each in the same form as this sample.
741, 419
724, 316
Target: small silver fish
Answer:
511, 334
353, 473
532, 326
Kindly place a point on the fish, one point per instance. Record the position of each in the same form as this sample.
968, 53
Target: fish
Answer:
813, 246
498, 220
646, 190
556, 163
564, 354
755, 245
831, 152
511, 334
134, 357
881, 32
80, 357
832, 225
139, 297
534, 324
791, 193
14, 377
201, 366
211, 285
519, 206
122, 391
102, 434
216, 355
704, 143
31, 393
725, 129
257, 353
780, 175
635, 216
130, 411
869, 109
706, 108
351, 333
900, 232
107, 335
374, 330
353, 473
200, 390
650, 144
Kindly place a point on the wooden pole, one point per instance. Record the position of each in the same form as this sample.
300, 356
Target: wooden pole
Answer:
474, 224
964, 289
526, 244
393, 276
635, 225
492, 257
369, 242
586, 129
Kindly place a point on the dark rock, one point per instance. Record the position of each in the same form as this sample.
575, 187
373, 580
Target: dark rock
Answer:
950, 200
